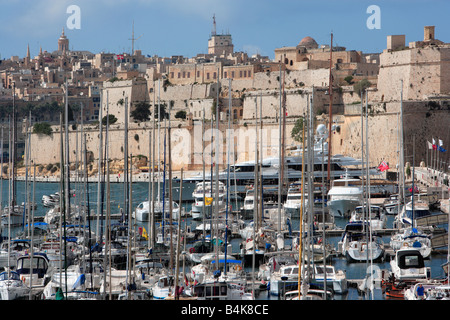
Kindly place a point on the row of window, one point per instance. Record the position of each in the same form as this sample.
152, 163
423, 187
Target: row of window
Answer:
187, 74
235, 113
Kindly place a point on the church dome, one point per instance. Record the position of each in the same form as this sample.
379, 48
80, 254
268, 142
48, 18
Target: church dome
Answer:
309, 43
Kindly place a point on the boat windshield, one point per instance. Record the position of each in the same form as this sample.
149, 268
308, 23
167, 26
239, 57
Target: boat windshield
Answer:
12, 276
417, 213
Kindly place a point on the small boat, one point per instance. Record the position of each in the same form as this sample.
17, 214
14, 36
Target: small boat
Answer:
143, 210
409, 264
294, 200
247, 208
14, 216
283, 280
432, 291
12, 287
164, 287
392, 204
412, 238
357, 246
72, 277
34, 270
377, 218
311, 294
218, 290
51, 200
205, 198
336, 280
411, 211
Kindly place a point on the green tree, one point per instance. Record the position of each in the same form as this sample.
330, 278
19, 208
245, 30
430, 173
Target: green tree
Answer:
160, 113
141, 111
349, 79
297, 130
112, 119
42, 128
181, 115
360, 86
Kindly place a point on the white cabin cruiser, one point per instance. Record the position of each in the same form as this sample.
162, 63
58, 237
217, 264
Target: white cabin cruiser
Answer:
377, 218
344, 196
144, 209
205, 199
409, 264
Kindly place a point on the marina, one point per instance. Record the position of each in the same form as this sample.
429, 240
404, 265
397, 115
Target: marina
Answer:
254, 287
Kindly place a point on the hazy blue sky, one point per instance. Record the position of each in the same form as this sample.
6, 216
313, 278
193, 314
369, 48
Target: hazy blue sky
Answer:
182, 27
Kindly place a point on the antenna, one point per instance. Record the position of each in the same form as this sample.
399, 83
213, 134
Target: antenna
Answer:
133, 39
214, 25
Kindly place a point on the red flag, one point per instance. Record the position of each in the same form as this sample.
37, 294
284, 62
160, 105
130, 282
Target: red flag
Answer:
383, 166
120, 57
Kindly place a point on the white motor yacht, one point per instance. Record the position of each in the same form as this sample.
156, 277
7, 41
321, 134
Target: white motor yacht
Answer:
144, 209
205, 199
344, 196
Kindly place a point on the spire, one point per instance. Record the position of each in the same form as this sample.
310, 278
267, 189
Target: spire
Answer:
63, 35
28, 51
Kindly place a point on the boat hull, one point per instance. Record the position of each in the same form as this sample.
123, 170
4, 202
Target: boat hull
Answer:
342, 208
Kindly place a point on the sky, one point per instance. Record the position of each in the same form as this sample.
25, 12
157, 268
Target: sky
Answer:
183, 27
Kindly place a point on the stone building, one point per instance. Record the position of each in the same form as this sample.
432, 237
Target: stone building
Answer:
219, 44
423, 66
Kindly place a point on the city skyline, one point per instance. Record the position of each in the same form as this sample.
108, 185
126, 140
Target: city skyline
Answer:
174, 27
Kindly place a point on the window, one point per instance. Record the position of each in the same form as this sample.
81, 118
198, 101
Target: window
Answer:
240, 74
232, 74
184, 74
179, 75
214, 75
249, 73
225, 74
245, 74
207, 75
198, 74
188, 74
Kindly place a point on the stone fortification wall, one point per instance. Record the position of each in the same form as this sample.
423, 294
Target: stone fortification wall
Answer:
424, 71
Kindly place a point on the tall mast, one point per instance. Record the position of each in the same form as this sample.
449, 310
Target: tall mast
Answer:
330, 112
280, 159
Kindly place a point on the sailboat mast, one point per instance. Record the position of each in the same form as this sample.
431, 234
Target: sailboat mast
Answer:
280, 158
67, 174
330, 112
402, 155
100, 151
217, 169
228, 174
169, 144
177, 261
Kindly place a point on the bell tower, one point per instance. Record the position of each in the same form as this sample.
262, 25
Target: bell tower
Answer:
63, 43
